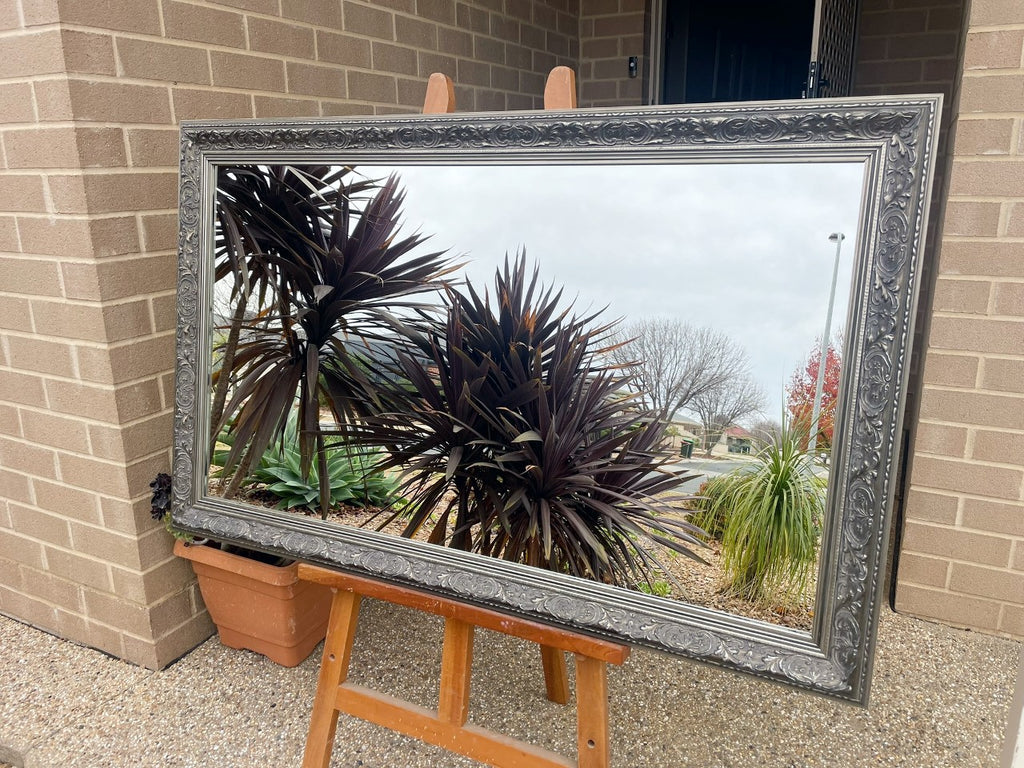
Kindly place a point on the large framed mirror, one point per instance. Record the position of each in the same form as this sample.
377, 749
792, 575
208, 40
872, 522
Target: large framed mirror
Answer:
714, 260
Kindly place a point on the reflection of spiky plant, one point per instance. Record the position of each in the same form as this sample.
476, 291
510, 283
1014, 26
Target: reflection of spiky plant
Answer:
774, 509
517, 444
337, 275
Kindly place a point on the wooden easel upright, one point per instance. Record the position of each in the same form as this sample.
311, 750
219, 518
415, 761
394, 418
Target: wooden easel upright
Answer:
447, 727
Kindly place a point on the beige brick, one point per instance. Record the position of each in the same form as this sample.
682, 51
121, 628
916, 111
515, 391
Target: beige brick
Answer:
29, 609
972, 219
291, 40
270, 106
394, 59
22, 388
997, 49
53, 100
1009, 299
950, 370
9, 234
33, 277
66, 501
88, 53
955, 609
116, 612
114, 192
994, 516
977, 335
1012, 621
132, 442
118, 102
16, 103
989, 177
18, 548
15, 486
1017, 563
138, 400
167, 578
201, 24
991, 93
926, 571
125, 15
40, 525
144, 357
967, 477
119, 279
54, 431
21, 193
181, 640
988, 258
93, 474
314, 80
10, 424
100, 147
968, 296
82, 400
1001, 447
190, 104
922, 538
37, 355
39, 147
149, 60
416, 32
70, 237
993, 12
171, 612
940, 439
268, 7
84, 570
372, 22
72, 321
253, 73
315, 12
31, 54
14, 314
983, 137
164, 312
349, 50
986, 582
67, 193
53, 589
22, 456
1003, 375
365, 86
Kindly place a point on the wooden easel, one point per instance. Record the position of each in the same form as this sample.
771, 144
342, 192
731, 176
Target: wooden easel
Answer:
447, 726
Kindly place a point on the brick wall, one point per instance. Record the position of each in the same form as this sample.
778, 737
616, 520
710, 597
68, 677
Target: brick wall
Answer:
89, 101
610, 32
963, 544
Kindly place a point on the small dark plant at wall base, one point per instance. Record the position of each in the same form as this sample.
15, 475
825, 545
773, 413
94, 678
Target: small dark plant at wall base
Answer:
160, 505
518, 443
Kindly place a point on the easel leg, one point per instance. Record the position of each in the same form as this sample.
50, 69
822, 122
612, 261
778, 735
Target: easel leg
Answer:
556, 674
341, 631
456, 668
593, 747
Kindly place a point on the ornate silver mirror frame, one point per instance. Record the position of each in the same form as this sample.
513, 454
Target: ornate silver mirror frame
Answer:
895, 140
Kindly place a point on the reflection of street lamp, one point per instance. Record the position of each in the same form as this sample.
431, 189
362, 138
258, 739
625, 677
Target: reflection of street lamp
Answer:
837, 238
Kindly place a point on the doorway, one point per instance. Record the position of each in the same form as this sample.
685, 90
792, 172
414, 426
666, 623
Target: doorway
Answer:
735, 50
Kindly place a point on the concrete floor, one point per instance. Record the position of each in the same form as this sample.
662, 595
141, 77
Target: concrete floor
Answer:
941, 697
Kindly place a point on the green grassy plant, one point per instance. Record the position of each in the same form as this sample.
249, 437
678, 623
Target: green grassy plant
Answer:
773, 523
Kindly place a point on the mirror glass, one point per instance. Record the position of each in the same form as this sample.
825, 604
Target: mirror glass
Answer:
721, 281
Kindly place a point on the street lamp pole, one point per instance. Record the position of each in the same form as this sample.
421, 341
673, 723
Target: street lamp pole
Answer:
837, 238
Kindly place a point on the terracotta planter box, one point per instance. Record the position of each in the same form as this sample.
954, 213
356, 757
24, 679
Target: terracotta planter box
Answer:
260, 607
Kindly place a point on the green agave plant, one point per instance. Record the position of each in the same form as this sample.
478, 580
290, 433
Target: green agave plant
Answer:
351, 475
773, 520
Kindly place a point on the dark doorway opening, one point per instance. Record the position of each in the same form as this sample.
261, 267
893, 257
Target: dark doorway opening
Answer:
736, 50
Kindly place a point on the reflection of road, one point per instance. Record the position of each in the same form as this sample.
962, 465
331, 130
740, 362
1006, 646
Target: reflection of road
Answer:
704, 468
708, 468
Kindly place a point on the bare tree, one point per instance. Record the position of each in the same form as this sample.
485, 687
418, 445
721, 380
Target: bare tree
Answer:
766, 430
720, 407
674, 362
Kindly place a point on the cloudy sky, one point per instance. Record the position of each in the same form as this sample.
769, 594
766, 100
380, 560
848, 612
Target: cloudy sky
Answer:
739, 247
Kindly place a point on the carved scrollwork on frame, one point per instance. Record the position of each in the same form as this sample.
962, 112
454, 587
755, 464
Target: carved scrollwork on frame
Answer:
897, 140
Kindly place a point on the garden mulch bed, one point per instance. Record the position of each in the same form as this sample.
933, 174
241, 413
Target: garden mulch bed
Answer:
687, 579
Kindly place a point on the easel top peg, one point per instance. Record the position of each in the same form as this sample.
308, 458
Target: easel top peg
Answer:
559, 92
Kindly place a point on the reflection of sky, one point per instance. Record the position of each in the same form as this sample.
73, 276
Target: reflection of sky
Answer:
742, 248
